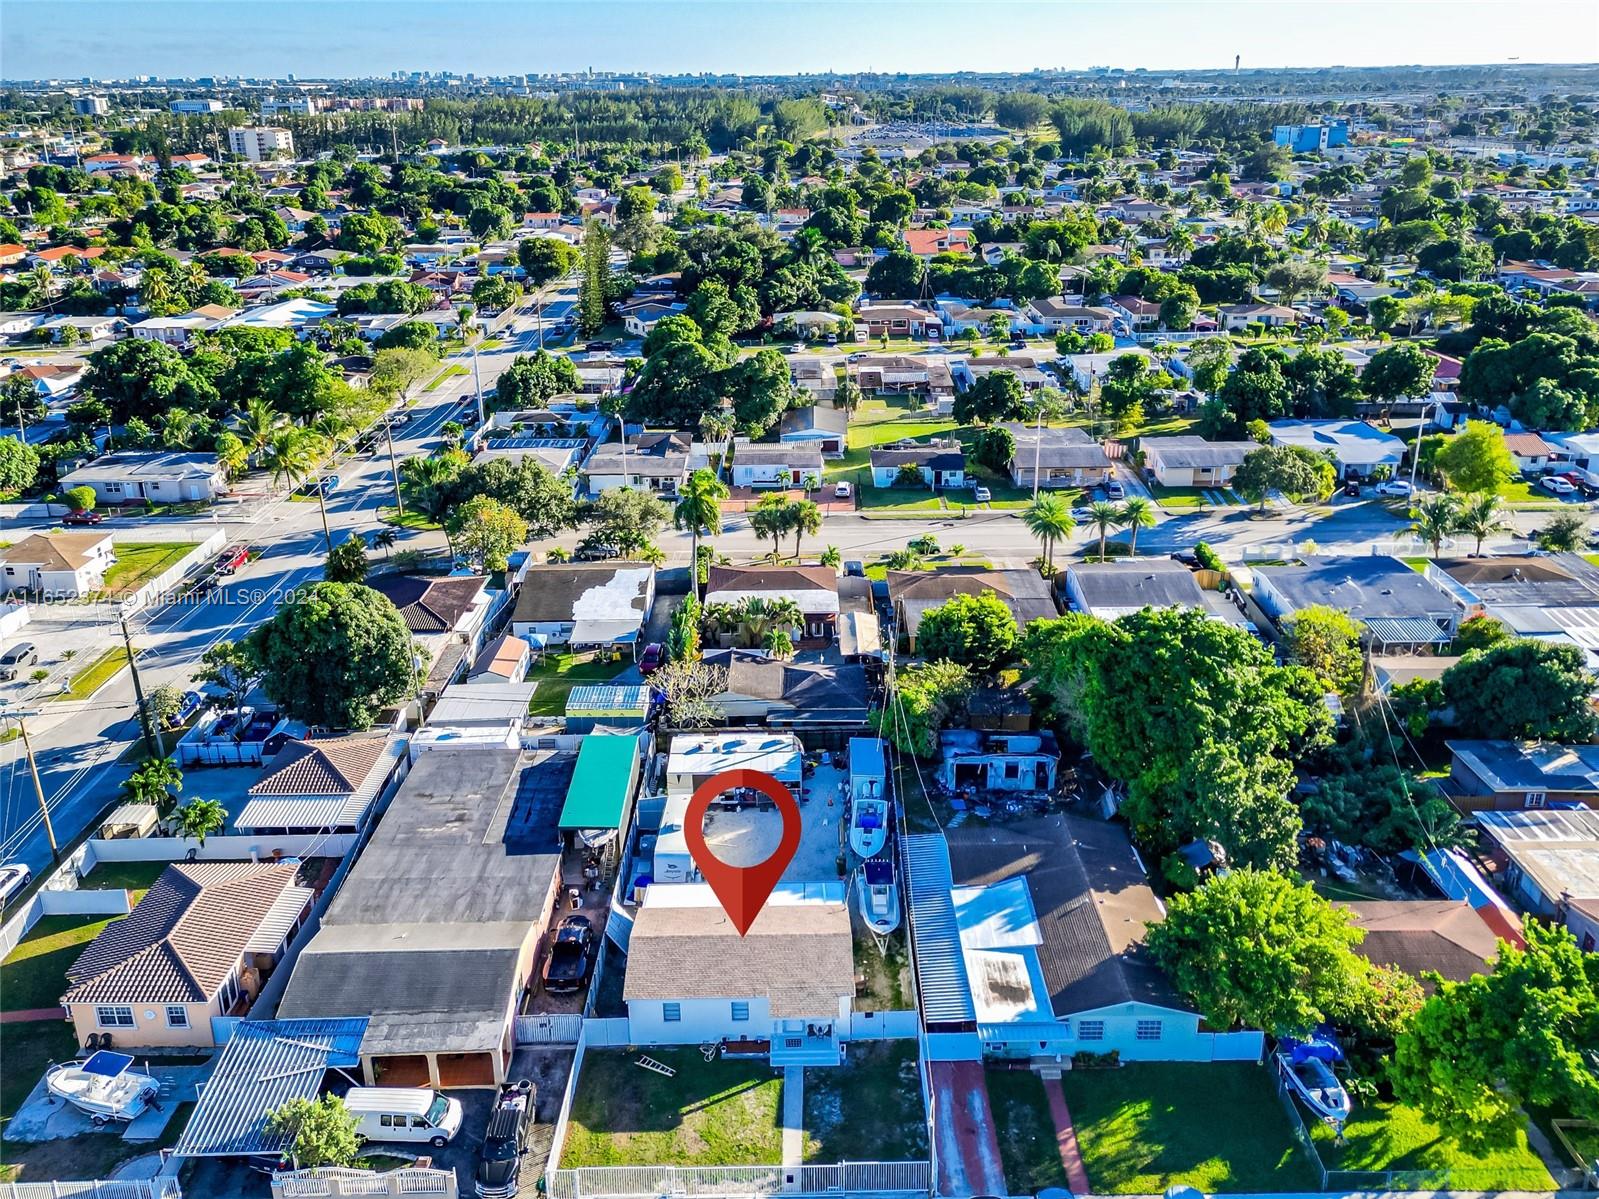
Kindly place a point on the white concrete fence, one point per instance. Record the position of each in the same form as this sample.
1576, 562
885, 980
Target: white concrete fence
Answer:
325, 1182
154, 1188
59, 895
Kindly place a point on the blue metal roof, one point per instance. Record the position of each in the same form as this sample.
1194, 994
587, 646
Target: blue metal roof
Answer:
608, 700
935, 937
1406, 630
264, 1065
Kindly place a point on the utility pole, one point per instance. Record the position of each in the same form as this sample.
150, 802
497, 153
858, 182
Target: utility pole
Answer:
394, 467
152, 738
1038, 446
477, 383
322, 506
38, 787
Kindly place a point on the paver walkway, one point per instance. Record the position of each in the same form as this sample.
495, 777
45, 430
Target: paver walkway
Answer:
33, 1015
793, 1115
1071, 1157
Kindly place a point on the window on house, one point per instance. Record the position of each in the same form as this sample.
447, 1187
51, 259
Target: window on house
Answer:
1147, 1030
177, 1016
741, 1011
114, 1017
672, 1013
1537, 799
1091, 1030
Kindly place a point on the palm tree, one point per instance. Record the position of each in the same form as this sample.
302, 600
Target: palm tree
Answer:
1137, 513
384, 540
157, 292
803, 517
41, 288
199, 818
192, 276
1482, 517
1049, 519
754, 619
155, 781
770, 519
1435, 518
292, 458
1104, 516
831, 556
778, 643
258, 424
699, 506
720, 618
784, 613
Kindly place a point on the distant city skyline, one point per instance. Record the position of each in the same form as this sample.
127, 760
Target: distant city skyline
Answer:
70, 39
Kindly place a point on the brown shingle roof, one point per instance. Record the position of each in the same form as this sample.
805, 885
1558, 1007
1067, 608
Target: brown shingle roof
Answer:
322, 766
182, 940
776, 579
430, 605
1418, 935
55, 551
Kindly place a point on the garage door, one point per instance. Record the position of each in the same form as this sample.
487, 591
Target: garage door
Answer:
407, 1070
466, 1070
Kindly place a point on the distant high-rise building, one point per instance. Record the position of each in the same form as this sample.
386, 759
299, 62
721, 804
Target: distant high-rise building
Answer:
261, 143
91, 106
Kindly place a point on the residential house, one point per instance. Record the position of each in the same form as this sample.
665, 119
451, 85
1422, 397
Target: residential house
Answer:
912, 593
1397, 606
813, 588
1425, 936
55, 381
785, 988
787, 464
584, 603
1236, 317
1027, 371
774, 693
1086, 368
321, 785
816, 377
200, 944
652, 461
170, 330
1551, 864
1193, 461
58, 564
1053, 457
1533, 455
87, 328
555, 454
901, 374
506, 659
1553, 597
897, 320
445, 615
436, 931
822, 427
16, 325
1512, 775
1112, 589
640, 319
941, 466
1357, 447
1140, 314
928, 243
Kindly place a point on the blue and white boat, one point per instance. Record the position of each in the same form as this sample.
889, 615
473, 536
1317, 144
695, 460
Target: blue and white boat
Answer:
104, 1086
878, 892
1306, 1068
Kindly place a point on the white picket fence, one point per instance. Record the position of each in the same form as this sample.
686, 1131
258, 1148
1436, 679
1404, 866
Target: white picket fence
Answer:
152, 1188
647, 1182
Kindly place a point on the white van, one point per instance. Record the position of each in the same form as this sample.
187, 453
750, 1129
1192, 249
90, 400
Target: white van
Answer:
404, 1114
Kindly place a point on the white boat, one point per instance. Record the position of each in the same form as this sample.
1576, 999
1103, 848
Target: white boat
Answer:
104, 1086
868, 825
1316, 1085
879, 895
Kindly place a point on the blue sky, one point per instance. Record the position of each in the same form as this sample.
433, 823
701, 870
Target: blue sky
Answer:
115, 38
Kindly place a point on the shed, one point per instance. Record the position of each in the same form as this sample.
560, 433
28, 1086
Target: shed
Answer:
600, 796
130, 820
617, 706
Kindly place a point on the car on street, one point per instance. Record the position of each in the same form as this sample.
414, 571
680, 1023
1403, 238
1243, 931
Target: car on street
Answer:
1400, 487
14, 879
592, 550
855, 568
981, 494
1081, 513
232, 558
598, 347
87, 517
652, 659
841, 490
328, 486
1555, 485
794, 347
507, 1138
571, 959
191, 703
23, 653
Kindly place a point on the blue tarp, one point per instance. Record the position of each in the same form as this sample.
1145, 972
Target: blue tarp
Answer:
1318, 1045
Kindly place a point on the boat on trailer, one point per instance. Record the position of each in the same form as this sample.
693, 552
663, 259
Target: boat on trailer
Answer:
1306, 1067
878, 893
104, 1086
868, 825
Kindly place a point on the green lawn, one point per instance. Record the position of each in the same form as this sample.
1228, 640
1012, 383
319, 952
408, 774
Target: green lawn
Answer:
140, 561
26, 1050
1519, 493
1026, 1132
1186, 497
710, 1114
869, 1109
133, 877
449, 372
35, 973
1392, 1136
1217, 1127
1583, 1137
99, 671
411, 520
557, 674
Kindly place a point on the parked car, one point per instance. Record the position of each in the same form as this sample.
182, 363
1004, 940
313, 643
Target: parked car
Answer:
981, 494
232, 558
1555, 485
571, 959
794, 347
404, 1114
832, 339
1352, 487
842, 490
87, 517
328, 485
855, 568
652, 659
14, 879
506, 1139
1399, 487
1081, 513
1114, 489
1584, 488
592, 550
23, 653
598, 347
192, 702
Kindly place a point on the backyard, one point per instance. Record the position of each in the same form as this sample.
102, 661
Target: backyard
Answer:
556, 674
1218, 1127
869, 1109
1026, 1132
140, 561
1382, 1135
717, 1113
35, 973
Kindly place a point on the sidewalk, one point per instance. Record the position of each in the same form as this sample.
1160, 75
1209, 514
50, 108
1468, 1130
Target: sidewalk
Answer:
793, 1115
1071, 1157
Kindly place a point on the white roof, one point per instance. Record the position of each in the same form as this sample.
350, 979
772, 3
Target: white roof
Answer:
777, 754
283, 315
410, 1100
613, 603
997, 917
1355, 442
999, 939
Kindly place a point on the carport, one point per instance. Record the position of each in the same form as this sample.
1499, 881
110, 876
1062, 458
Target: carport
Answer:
264, 1065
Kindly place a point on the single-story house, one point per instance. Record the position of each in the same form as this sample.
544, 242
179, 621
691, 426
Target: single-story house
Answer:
1357, 447
1510, 775
584, 603
1140, 314
813, 588
816, 377
901, 374
1193, 461
940, 466
506, 659
1397, 605
170, 330
1065, 457
1420, 936
785, 988
445, 614
642, 318
1532, 454
155, 476
200, 944
1086, 368
823, 427
653, 461
896, 320
321, 785
773, 693
1240, 316
1057, 315
88, 328
912, 593
1112, 589
1552, 864
63, 564
436, 931
787, 464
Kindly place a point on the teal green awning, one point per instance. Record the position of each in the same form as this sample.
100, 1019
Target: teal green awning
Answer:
602, 784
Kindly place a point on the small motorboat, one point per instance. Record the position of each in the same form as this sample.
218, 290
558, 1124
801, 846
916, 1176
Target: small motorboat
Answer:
868, 825
879, 895
1305, 1066
104, 1086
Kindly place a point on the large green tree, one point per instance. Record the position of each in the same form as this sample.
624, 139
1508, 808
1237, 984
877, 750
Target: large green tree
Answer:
335, 656
139, 378
1476, 458
533, 381
974, 630
1523, 690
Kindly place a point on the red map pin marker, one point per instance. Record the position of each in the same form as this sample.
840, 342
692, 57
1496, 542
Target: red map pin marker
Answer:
743, 890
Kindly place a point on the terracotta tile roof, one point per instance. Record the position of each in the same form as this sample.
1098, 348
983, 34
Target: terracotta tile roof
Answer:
184, 938
322, 766
57, 253
430, 605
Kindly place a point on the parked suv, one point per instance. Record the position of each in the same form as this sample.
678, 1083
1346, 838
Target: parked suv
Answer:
510, 1129
232, 558
571, 957
14, 659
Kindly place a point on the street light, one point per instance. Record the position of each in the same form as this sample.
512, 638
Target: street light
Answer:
20, 716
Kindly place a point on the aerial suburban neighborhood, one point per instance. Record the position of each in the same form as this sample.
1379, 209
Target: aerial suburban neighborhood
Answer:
1110, 549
